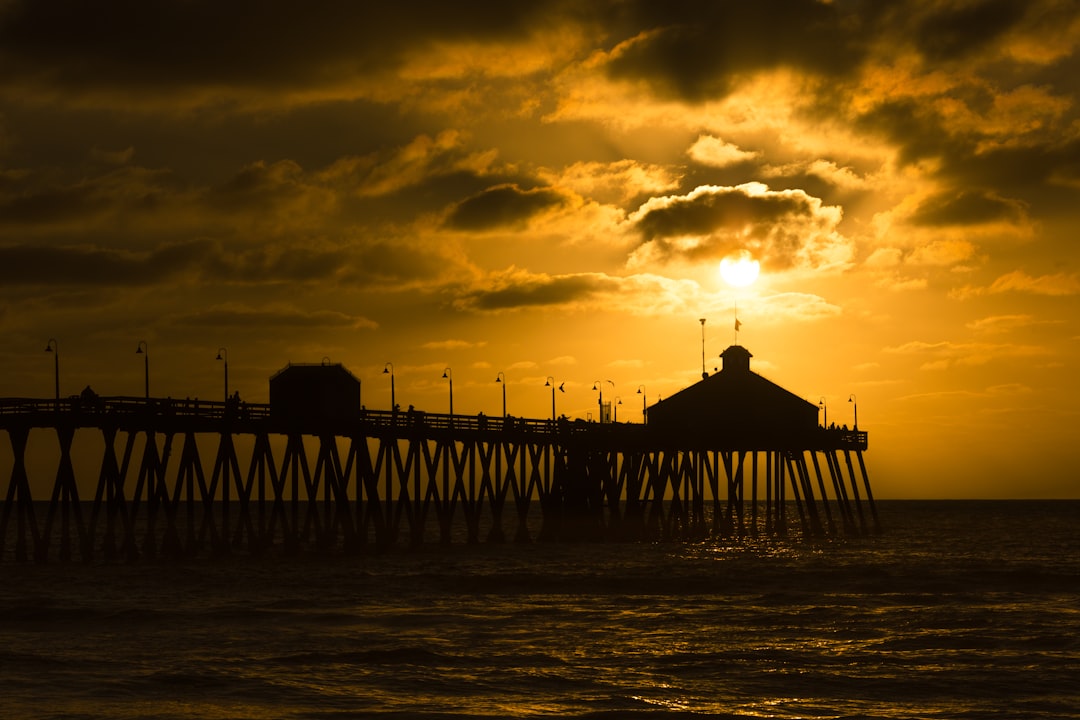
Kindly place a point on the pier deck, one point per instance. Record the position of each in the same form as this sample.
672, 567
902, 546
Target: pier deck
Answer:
385, 478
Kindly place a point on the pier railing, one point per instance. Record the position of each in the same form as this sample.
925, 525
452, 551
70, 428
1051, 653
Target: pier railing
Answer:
175, 415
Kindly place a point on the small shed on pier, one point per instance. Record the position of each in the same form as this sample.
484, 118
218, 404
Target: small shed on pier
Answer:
736, 407
314, 394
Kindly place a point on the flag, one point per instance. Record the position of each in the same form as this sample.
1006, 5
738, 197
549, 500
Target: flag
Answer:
737, 324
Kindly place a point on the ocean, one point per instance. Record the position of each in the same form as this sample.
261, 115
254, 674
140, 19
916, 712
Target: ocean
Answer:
958, 609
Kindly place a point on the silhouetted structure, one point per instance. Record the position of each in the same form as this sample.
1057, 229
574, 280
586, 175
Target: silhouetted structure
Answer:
307, 395
378, 475
738, 408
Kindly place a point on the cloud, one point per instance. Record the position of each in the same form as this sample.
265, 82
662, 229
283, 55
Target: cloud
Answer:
714, 152
197, 52
1018, 281
272, 316
844, 178
414, 164
83, 265
516, 289
203, 261
452, 345
1006, 323
945, 354
951, 32
782, 229
614, 182
968, 207
701, 50
1056, 285
505, 206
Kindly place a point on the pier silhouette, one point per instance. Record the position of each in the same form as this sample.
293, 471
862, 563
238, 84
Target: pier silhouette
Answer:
731, 455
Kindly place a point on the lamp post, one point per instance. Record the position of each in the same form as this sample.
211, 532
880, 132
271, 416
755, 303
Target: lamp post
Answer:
597, 385
641, 392
447, 375
824, 412
615, 407
223, 354
855, 408
388, 369
54, 348
501, 378
551, 384
704, 373
144, 350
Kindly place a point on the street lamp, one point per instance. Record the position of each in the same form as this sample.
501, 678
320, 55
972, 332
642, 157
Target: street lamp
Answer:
704, 373
618, 402
52, 347
855, 408
597, 385
144, 350
641, 392
447, 375
501, 378
223, 354
388, 369
551, 384
824, 412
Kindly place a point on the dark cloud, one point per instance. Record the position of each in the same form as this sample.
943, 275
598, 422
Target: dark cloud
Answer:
44, 265
209, 262
526, 290
953, 31
504, 206
277, 265
716, 209
697, 50
913, 127
245, 317
260, 186
160, 45
388, 263
968, 208
32, 200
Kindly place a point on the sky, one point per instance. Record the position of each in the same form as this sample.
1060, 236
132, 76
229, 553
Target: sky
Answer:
546, 190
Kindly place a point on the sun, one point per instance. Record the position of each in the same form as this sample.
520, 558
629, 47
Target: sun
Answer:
739, 269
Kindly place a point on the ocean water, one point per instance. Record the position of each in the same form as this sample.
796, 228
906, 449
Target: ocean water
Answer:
957, 610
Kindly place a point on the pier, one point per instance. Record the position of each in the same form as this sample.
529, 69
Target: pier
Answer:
182, 478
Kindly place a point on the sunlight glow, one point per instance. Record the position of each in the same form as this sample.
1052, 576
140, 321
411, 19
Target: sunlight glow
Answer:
739, 269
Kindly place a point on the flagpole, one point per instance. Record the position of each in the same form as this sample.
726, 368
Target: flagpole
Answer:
736, 321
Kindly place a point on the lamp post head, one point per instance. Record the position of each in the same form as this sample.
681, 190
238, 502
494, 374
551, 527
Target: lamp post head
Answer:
447, 374
851, 398
51, 345
222, 354
142, 349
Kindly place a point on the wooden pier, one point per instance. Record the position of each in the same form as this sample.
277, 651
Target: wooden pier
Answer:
182, 478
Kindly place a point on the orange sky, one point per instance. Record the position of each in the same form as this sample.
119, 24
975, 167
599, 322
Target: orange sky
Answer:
547, 189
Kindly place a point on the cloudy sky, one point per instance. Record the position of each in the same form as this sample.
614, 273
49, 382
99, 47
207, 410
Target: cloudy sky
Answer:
547, 189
